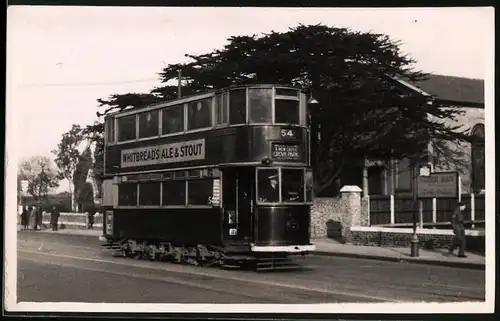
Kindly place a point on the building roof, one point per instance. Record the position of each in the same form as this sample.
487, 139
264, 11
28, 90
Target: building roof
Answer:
453, 89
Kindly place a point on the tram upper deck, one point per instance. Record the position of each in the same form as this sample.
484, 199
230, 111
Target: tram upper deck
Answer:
247, 125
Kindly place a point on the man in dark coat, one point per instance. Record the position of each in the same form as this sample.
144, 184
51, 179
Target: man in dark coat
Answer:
54, 218
457, 223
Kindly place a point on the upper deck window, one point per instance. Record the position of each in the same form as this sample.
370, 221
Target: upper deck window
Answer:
260, 105
286, 106
237, 107
126, 128
221, 108
172, 120
200, 114
287, 92
109, 127
148, 124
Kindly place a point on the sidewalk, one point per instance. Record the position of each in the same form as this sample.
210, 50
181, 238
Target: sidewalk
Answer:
327, 247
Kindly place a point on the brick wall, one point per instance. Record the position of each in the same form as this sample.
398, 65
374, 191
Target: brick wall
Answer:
398, 238
325, 209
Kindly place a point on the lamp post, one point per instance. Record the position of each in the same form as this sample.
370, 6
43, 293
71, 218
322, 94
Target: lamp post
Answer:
310, 103
423, 170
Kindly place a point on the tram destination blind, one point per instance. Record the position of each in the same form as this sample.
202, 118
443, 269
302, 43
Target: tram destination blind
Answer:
286, 152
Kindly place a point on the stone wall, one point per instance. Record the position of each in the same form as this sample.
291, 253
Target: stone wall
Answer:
323, 210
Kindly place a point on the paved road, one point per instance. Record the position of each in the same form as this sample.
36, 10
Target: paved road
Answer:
54, 268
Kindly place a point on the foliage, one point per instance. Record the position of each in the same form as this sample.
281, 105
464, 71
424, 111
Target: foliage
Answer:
67, 156
81, 172
40, 175
85, 196
362, 114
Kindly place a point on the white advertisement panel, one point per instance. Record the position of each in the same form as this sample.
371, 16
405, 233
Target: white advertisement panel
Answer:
166, 153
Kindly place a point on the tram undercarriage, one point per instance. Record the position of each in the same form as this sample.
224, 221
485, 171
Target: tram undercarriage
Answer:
229, 257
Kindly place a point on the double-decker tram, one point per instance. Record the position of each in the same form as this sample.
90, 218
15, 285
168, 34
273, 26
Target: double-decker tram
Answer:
221, 178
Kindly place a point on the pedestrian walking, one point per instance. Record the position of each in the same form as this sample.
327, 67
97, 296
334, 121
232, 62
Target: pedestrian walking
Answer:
457, 223
54, 218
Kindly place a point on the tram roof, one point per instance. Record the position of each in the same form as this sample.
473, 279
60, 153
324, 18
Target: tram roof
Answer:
206, 94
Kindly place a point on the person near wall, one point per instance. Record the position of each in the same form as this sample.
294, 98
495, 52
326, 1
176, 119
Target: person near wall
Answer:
32, 217
54, 218
39, 217
457, 223
25, 218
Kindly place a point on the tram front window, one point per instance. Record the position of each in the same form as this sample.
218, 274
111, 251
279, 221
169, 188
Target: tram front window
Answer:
292, 185
268, 185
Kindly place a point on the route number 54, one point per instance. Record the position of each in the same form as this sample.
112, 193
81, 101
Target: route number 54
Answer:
287, 133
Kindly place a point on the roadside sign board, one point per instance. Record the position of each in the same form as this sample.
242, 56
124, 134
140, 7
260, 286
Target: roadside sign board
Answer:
24, 186
438, 185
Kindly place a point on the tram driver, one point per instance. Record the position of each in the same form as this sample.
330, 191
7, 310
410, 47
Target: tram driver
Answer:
268, 191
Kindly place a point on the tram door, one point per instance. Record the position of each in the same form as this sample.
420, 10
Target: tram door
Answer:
237, 195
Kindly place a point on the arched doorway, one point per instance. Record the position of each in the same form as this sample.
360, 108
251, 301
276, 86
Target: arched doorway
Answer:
477, 157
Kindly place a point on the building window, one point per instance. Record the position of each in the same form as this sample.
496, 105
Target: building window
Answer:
199, 114
172, 120
478, 158
237, 107
200, 191
149, 193
127, 194
260, 105
174, 193
376, 180
148, 124
403, 175
126, 128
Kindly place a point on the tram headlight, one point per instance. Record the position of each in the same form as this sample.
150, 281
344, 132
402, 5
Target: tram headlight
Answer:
266, 161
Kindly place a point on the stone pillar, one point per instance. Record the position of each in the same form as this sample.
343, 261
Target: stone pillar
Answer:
351, 197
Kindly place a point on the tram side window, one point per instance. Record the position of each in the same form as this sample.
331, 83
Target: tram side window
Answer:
260, 105
268, 185
110, 130
149, 193
237, 107
292, 185
200, 191
199, 114
221, 108
172, 120
148, 124
309, 182
174, 193
286, 111
127, 194
126, 128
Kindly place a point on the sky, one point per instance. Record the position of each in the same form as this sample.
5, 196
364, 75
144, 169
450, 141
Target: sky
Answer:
60, 60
